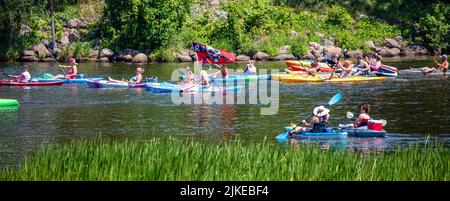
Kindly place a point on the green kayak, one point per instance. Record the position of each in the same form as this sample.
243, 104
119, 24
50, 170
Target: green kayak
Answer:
8, 102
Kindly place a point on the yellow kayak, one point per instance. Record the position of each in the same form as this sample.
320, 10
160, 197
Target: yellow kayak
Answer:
308, 78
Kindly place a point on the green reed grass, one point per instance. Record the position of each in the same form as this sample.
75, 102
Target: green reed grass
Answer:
168, 160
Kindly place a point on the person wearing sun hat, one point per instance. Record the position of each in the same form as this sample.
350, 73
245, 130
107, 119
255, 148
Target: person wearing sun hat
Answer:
438, 66
73, 71
137, 79
318, 121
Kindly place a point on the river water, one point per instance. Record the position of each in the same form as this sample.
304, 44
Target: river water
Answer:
417, 110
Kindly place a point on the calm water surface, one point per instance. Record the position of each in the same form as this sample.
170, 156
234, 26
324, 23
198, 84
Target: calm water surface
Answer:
417, 110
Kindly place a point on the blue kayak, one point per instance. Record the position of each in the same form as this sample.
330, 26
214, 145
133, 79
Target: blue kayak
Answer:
165, 87
329, 134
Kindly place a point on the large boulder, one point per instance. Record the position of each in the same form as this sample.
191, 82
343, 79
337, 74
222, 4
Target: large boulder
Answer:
308, 56
65, 39
183, 56
45, 42
103, 59
421, 51
327, 42
106, 53
28, 53
319, 34
93, 53
284, 50
293, 34
140, 58
389, 52
353, 53
392, 43
41, 50
242, 58
370, 54
126, 58
76, 24
370, 45
261, 56
24, 29
315, 45
73, 35
333, 50
29, 59
130, 52
284, 57
48, 59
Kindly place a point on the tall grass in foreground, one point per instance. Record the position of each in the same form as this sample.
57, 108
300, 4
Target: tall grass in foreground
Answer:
189, 160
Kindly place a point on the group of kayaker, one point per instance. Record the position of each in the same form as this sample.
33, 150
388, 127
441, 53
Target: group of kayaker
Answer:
364, 66
321, 115
25, 75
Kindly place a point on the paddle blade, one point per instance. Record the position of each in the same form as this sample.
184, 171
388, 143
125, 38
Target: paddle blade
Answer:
349, 115
336, 98
282, 137
383, 122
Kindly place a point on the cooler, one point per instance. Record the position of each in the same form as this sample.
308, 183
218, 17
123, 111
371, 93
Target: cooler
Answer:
376, 125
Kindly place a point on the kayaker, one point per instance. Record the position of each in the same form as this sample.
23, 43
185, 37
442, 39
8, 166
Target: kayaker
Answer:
438, 66
362, 119
223, 71
375, 63
325, 57
72, 70
250, 68
347, 69
24, 75
137, 79
318, 122
204, 79
362, 67
333, 63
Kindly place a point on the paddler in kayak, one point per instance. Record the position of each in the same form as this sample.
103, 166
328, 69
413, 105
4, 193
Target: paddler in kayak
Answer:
347, 69
24, 75
362, 67
72, 70
137, 79
375, 63
362, 119
223, 71
204, 82
250, 68
438, 66
325, 57
312, 70
318, 122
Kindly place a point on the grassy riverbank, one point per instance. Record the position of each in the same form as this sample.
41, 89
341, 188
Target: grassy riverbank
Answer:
189, 160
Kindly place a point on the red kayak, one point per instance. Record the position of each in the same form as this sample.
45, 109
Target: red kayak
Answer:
12, 83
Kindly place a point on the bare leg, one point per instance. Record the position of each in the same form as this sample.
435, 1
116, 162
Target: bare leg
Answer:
427, 70
59, 76
116, 81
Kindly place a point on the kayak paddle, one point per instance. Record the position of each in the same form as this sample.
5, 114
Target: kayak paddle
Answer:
64, 72
335, 99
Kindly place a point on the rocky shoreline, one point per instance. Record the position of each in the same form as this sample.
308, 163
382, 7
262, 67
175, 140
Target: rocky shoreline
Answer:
392, 47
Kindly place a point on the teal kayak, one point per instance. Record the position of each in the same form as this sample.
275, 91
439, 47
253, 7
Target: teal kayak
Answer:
8, 102
329, 134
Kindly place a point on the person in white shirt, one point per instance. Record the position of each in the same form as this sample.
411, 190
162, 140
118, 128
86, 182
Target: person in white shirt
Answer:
250, 68
24, 75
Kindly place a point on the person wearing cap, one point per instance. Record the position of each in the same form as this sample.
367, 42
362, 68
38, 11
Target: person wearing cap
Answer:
362, 67
318, 122
73, 71
324, 57
137, 79
438, 66
24, 75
